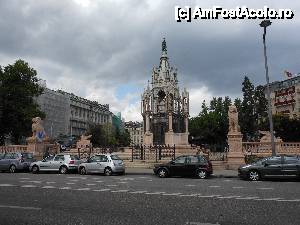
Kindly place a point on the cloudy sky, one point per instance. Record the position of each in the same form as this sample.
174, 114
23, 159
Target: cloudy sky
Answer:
105, 50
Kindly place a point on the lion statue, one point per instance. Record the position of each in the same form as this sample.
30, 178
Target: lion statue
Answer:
233, 119
38, 132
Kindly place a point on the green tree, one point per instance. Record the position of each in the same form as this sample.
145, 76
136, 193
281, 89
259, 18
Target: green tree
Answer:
261, 103
19, 87
247, 113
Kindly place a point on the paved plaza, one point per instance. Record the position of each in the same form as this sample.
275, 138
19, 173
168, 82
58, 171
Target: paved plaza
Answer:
145, 199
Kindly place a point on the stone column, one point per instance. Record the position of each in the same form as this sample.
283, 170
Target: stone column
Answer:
147, 123
186, 119
170, 122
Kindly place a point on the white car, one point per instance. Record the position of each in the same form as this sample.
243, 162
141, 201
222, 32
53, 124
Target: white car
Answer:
61, 163
102, 163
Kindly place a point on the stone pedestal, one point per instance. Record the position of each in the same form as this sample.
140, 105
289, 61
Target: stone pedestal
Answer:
235, 156
148, 138
37, 148
172, 138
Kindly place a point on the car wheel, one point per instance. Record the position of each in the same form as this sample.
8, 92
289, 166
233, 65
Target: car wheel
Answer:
254, 175
202, 174
82, 171
162, 173
107, 172
63, 170
12, 169
35, 169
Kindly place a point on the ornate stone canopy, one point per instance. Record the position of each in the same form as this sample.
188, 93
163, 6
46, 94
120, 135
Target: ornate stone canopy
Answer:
164, 109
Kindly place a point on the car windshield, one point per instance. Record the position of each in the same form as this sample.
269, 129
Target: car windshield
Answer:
2, 155
49, 158
260, 161
115, 157
74, 157
27, 155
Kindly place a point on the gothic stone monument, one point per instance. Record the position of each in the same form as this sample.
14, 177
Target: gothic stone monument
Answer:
235, 156
165, 112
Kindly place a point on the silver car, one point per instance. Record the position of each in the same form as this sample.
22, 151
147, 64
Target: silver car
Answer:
102, 163
61, 163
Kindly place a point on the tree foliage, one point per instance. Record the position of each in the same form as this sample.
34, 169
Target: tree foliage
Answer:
108, 135
19, 87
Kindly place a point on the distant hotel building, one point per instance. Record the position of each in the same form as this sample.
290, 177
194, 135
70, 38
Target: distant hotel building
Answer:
84, 113
136, 131
69, 114
285, 97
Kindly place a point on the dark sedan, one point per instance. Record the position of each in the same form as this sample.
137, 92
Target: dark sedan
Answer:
282, 166
188, 165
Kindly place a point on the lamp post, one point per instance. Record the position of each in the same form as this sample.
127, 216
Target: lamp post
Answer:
265, 24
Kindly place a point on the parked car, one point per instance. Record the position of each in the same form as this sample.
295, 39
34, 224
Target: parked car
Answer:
61, 163
188, 165
102, 163
282, 166
15, 161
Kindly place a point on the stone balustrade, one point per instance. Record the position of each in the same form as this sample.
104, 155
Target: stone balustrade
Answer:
264, 148
13, 148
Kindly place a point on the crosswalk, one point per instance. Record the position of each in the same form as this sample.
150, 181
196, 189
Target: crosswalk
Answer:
149, 193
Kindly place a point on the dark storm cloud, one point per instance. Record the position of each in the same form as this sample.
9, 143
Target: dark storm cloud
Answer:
112, 42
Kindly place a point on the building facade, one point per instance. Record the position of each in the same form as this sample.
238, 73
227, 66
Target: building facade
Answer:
285, 97
84, 113
136, 131
57, 109
68, 114
165, 111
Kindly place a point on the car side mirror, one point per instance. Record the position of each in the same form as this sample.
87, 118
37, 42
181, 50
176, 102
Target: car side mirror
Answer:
172, 162
265, 164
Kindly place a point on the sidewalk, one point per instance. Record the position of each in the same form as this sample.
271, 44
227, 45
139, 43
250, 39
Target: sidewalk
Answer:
217, 173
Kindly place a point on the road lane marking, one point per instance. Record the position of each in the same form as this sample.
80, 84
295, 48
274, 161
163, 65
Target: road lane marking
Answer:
170, 194
150, 180
7, 185
266, 199
82, 189
288, 200
265, 188
155, 193
247, 198
137, 192
28, 186
190, 185
19, 207
214, 186
188, 195
70, 183
73, 180
238, 187
120, 191
65, 188
208, 196
111, 185
50, 182
72, 177
100, 190
48, 187
227, 180
228, 197
90, 184
24, 178
123, 182
99, 181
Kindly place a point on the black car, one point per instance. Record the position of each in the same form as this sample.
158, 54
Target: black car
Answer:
187, 165
282, 166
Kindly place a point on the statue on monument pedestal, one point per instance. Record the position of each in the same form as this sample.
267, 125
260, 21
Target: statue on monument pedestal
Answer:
233, 120
38, 132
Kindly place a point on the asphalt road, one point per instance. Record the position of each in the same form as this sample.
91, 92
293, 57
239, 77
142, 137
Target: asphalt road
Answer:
145, 199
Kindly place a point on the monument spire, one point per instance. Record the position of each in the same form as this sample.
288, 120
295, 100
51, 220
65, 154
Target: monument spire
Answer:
164, 46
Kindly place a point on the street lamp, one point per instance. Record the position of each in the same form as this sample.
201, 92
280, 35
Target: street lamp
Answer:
265, 24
